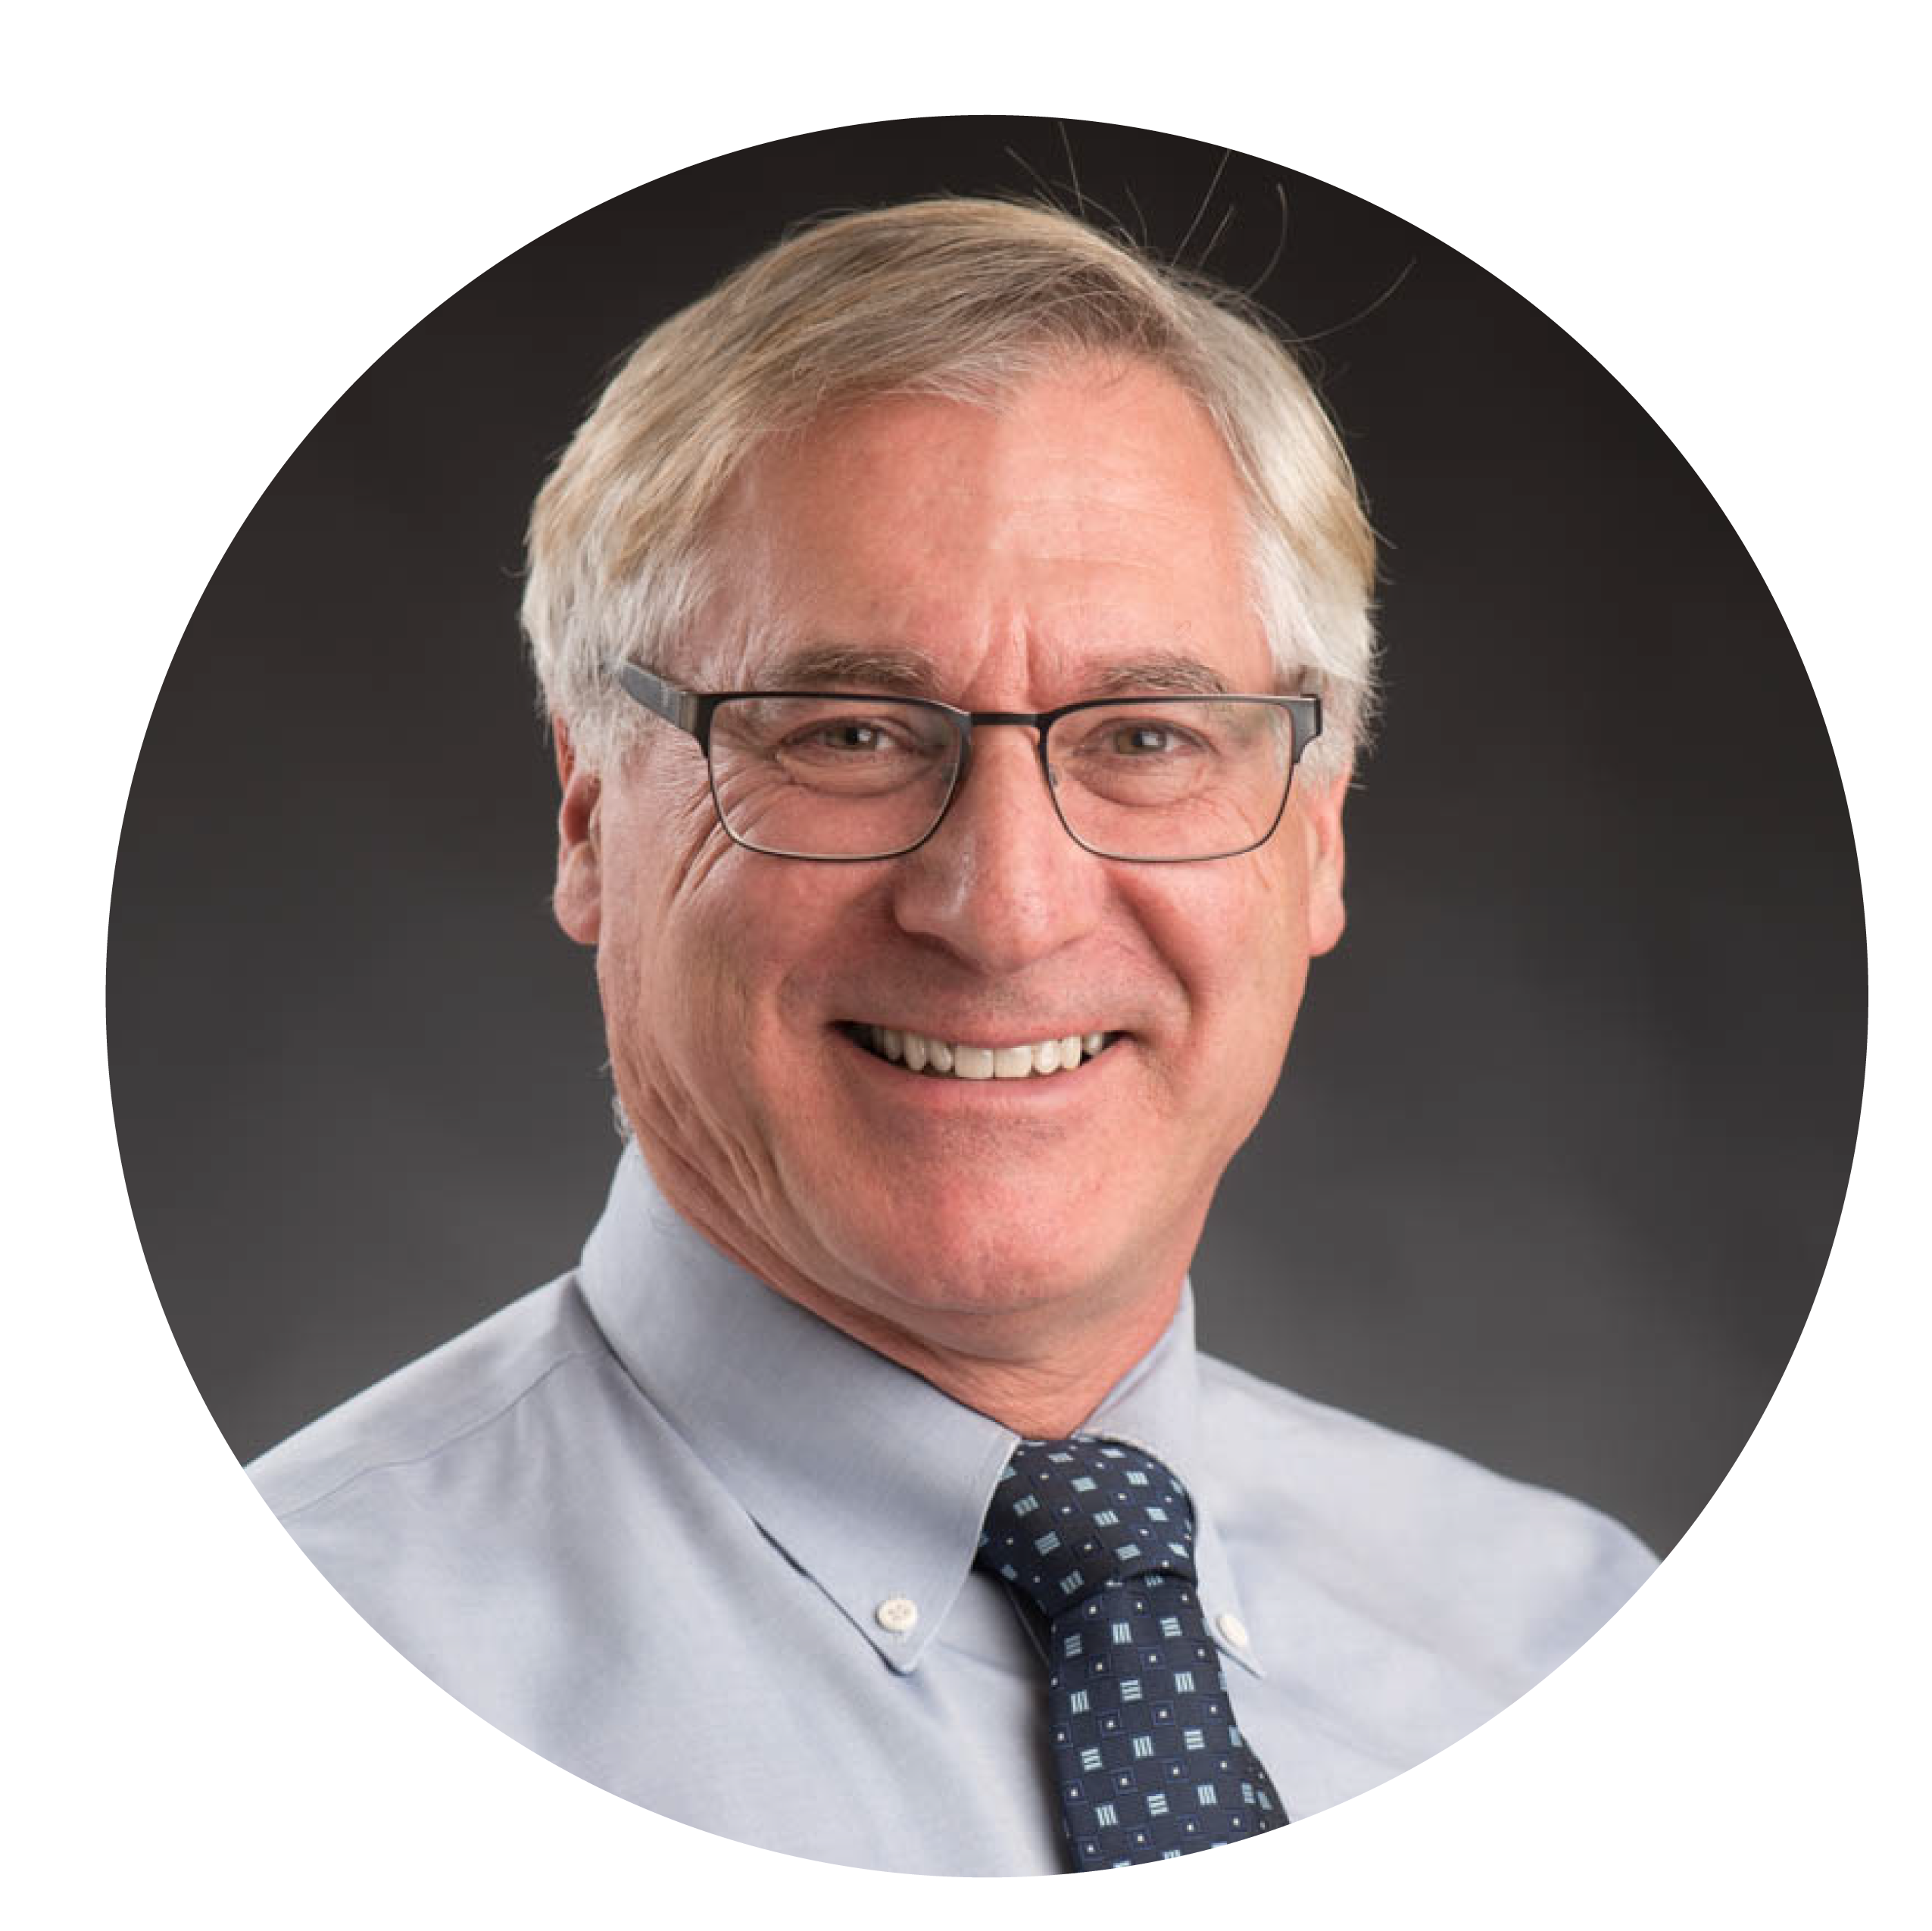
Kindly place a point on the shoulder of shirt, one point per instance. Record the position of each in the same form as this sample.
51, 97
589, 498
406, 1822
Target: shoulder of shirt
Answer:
450, 1395
1319, 1455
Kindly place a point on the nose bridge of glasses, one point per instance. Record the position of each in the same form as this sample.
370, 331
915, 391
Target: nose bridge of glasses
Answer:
1036, 722
972, 749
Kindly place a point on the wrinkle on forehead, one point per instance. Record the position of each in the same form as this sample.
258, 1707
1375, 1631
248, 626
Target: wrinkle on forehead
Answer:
1052, 473
1086, 534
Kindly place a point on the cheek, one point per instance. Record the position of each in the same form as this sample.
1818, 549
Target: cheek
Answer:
1236, 940
1279, 968
664, 965
701, 984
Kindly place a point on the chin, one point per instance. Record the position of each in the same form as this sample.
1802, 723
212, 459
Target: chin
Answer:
985, 1251
1007, 1212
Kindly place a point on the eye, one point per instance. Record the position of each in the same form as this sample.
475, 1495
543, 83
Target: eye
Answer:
850, 734
1141, 740
849, 740
786, 728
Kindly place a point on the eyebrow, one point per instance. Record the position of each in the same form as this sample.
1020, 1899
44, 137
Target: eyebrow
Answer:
1162, 676
904, 671
911, 672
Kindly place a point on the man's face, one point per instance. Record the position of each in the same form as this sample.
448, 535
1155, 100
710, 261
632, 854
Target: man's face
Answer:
1008, 560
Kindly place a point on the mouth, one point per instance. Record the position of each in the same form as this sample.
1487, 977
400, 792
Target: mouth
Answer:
940, 1059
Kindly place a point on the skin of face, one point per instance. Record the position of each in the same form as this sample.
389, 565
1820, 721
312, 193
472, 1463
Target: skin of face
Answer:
1019, 1243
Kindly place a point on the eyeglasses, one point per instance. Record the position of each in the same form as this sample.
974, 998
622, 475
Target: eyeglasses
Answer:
844, 776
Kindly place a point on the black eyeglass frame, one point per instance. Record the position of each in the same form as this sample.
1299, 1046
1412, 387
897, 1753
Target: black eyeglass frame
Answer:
692, 711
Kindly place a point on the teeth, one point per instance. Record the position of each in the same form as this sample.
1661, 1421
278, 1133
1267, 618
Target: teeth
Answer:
922, 1054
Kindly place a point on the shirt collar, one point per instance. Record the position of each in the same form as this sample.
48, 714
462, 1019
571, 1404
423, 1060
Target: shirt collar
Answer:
871, 1479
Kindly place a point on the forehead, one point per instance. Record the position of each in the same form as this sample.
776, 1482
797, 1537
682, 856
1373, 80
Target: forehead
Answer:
1092, 515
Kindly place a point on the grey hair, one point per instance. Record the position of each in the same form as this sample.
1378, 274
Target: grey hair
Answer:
952, 298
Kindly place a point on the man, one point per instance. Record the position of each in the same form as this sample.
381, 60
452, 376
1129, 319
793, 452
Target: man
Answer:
955, 634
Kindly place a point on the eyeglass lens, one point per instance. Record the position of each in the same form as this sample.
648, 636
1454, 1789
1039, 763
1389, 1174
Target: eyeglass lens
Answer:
858, 778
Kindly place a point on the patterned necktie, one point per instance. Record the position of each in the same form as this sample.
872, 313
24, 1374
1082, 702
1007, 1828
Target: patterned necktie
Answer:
1148, 1760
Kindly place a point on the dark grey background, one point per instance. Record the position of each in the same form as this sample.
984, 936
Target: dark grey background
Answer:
1568, 1121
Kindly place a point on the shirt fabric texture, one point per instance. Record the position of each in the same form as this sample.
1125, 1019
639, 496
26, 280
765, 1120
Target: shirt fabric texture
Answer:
696, 1545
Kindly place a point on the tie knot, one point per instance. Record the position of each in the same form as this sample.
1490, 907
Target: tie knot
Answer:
1070, 1517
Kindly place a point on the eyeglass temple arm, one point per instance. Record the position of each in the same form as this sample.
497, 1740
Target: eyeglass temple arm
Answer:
1306, 715
674, 706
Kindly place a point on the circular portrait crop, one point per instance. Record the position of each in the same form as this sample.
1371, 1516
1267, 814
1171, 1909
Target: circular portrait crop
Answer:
989, 945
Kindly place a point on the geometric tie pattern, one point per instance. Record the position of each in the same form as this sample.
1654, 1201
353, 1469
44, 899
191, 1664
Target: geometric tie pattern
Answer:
1148, 1758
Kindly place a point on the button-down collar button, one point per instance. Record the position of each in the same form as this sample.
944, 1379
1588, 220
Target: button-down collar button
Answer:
1232, 1629
898, 1614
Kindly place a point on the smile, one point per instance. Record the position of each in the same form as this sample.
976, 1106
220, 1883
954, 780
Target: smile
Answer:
947, 1059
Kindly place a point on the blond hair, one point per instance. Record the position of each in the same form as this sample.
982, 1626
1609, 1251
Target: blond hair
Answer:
953, 298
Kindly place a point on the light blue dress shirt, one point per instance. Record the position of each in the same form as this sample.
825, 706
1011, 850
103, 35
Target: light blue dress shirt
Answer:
691, 1543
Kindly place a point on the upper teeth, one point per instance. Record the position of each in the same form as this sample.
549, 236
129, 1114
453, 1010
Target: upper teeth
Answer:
923, 1054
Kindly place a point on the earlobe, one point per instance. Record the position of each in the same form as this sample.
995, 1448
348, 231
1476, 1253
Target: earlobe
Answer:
1322, 827
578, 898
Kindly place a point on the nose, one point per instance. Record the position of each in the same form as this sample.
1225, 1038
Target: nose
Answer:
1001, 884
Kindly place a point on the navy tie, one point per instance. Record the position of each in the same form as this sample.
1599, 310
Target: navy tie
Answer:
1148, 1759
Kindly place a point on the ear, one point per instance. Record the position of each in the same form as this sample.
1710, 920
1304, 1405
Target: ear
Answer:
578, 900
1321, 814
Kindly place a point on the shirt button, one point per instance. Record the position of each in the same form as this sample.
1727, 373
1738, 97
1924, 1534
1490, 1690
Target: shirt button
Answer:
1230, 1625
898, 1614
